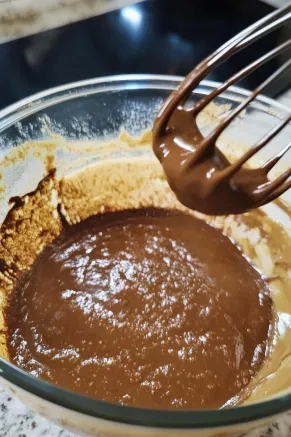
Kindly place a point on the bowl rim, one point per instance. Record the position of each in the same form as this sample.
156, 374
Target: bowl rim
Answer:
55, 95
149, 418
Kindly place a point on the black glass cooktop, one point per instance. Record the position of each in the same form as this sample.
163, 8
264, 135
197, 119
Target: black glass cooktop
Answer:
158, 36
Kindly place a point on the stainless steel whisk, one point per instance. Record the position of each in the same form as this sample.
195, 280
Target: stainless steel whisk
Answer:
271, 189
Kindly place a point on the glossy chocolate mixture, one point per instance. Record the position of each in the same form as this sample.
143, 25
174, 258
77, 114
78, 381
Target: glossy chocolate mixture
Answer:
148, 307
199, 174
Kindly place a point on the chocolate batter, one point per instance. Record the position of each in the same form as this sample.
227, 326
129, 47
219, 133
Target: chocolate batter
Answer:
148, 307
197, 171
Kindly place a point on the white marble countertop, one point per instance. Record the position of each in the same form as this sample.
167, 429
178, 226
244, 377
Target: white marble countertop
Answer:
25, 17
22, 17
17, 421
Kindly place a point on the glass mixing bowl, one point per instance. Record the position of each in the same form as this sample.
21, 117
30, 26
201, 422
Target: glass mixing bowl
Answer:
100, 108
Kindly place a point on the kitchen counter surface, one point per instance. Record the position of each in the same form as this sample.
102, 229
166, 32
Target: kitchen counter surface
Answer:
17, 421
24, 17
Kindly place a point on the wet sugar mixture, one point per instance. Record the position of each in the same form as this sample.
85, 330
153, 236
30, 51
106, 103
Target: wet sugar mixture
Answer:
146, 307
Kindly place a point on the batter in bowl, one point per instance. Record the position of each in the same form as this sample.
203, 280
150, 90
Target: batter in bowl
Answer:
145, 307
119, 292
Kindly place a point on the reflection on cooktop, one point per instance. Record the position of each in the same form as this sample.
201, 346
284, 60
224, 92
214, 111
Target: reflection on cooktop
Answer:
161, 36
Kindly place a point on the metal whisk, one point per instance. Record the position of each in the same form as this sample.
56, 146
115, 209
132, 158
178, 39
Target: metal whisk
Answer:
230, 188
